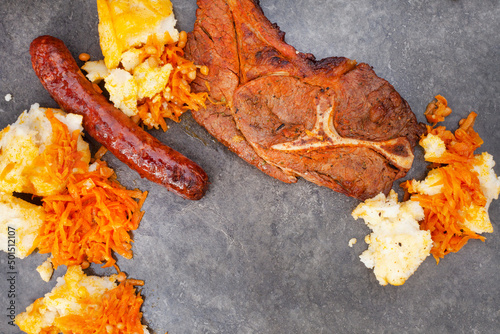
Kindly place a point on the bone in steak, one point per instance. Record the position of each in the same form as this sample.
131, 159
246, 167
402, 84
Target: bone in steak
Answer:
332, 121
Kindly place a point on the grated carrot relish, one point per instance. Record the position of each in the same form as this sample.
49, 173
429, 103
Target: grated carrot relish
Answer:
117, 311
177, 97
61, 157
437, 111
91, 218
444, 212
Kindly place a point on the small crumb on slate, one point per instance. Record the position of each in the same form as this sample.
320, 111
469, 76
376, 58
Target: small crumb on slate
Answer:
8, 97
352, 242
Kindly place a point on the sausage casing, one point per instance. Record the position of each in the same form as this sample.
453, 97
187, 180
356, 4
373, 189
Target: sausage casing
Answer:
60, 75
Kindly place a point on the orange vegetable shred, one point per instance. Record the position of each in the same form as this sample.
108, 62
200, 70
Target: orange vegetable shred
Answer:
177, 97
92, 217
117, 311
61, 156
444, 216
437, 111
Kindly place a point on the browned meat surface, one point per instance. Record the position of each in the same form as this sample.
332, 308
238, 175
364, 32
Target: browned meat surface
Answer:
333, 122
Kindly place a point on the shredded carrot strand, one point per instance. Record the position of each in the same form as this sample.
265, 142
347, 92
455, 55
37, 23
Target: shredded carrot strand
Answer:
61, 156
444, 214
117, 311
177, 97
100, 153
460, 146
437, 111
90, 219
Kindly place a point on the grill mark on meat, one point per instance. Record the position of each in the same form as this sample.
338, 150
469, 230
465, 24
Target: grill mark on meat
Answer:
207, 33
289, 108
237, 48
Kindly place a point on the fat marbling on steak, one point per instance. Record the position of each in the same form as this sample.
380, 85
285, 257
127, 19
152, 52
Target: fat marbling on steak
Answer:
332, 121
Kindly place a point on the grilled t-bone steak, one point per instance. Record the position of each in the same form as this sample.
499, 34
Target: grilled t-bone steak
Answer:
332, 121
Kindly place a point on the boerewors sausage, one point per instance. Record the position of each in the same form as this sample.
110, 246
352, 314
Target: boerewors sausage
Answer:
60, 75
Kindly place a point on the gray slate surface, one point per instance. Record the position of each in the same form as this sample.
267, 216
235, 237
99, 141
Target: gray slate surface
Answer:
259, 256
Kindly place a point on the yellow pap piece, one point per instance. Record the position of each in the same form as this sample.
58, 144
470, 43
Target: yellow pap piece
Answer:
74, 295
397, 246
21, 146
20, 222
124, 24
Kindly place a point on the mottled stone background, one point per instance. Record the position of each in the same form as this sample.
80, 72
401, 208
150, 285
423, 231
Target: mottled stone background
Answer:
259, 256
